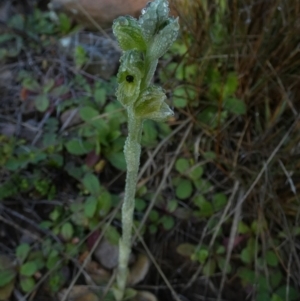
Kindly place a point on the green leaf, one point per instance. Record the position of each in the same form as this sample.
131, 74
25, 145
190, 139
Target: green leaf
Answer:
140, 204
247, 254
52, 262
209, 155
149, 137
104, 203
6, 37
38, 258
100, 95
186, 249
56, 281
27, 284
112, 235
152, 229
243, 228
275, 297
180, 97
67, 231
6, 276
172, 205
182, 94
88, 113
202, 255
117, 160
235, 106
202, 185
49, 139
117, 293
262, 283
166, 72
230, 85
168, 222
72, 249
30, 84
247, 276
209, 116
275, 279
258, 227
153, 216
296, 231
206, 208
217, 32
184, 189
221, 264
263, 296
80, 56
78, 147
219, 201
130, 293
48, 86
199, 200
179, 102
6, 290
90, 206
287, 293
60, 91
182, 165
64, 23
209, 268
42, 102
271, 258
92, 184
55, 214
29, 268
196, 172
22, 251
220, 250
191, 71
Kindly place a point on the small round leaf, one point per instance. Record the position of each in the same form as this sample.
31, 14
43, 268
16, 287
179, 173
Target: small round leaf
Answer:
184, 189
28, 268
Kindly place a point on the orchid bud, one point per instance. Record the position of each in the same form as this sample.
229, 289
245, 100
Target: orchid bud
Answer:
151, 105
129, 33
154, 15
163, 40
130, 74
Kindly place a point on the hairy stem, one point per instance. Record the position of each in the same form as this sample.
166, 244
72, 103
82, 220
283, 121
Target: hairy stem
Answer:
150, 67
132, 151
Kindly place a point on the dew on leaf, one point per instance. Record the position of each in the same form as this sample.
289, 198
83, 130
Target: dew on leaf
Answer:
122, 21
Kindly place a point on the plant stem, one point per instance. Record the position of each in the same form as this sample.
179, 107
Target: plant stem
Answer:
132, 151
150, 67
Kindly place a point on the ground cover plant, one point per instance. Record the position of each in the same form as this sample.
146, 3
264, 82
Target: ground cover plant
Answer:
216, 205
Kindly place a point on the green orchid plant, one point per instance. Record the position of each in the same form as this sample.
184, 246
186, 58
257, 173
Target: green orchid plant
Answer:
143, 42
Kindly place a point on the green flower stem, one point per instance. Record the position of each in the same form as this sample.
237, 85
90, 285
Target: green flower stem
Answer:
150, 67
132, 151
143, 42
